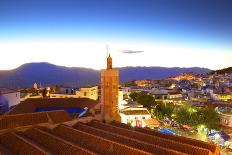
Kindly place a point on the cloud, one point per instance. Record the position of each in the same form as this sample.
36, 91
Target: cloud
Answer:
130, 51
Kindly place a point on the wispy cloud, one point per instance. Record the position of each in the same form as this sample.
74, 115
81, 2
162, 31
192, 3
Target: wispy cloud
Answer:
130, 51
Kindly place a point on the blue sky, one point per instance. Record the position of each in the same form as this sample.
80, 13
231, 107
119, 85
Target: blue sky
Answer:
194, 30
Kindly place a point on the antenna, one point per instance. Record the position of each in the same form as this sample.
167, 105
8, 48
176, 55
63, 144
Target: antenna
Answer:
107, 50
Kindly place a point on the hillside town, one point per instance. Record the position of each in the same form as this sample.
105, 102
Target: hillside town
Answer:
189, 105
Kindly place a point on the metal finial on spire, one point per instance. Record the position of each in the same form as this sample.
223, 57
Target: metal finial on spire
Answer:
107, 50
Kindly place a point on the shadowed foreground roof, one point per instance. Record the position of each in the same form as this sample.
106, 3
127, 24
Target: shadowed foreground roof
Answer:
98, 138
27, 119
30, 105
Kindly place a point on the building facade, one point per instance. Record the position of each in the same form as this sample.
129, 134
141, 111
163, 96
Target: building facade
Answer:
84, 92
89, 92
109, 92
8, 98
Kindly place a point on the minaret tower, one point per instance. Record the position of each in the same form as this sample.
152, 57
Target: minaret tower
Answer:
109, 92
109, 62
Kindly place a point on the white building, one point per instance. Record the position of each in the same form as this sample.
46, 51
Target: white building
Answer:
67, 90
136, 116
84, 92
9, 97
225, 114
88, 92
226, 120
126, 90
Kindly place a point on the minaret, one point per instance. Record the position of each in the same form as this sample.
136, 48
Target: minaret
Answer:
109, 62
109, 93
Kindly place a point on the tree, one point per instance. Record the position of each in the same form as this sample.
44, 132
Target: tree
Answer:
198, 116
146, 100
45, 93
183, 116
161, 111
134, 96
209, 118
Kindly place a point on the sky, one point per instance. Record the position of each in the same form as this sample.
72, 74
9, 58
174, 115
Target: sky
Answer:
75, 33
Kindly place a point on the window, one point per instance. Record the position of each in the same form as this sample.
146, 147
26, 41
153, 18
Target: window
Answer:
143, 117
85, 93
226, 121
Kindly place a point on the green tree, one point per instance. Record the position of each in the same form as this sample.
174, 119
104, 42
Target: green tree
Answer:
209, 118
198, 116
161, 111
146, 100
183, 116
134, 96
189, 115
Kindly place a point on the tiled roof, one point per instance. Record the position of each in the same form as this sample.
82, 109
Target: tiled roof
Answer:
7, 91
19, 120
30, 105
174, 93
151, 122
135, 112
99, 138
213, 148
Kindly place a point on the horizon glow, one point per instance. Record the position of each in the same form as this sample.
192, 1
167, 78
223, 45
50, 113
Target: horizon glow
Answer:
91, 54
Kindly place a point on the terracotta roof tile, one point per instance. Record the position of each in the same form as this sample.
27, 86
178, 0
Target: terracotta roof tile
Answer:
135, 112
26, 119
212, 147
93, 138
30, 105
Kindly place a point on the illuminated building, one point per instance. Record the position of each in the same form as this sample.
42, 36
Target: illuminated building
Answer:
88, 92
142, 83
35, 86
185, 76
135, 116
109, 92
84, 92
222, 96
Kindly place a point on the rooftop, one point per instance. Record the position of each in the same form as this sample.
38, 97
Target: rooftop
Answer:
30, 105
135, 112
95, 137
7, 91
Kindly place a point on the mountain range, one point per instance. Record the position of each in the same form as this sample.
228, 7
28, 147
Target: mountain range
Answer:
49, 74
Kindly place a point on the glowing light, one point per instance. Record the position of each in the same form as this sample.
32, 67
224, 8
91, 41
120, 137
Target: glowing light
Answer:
84, 53
217, 136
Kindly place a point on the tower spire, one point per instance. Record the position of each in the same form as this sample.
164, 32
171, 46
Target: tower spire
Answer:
109, 62
109, 59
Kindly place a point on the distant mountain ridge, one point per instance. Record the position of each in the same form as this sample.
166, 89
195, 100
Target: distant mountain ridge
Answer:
49, 74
